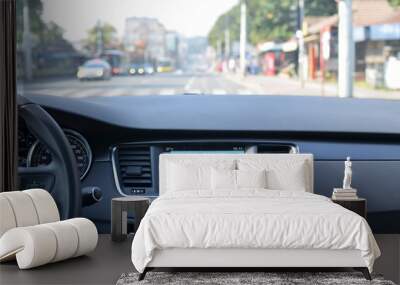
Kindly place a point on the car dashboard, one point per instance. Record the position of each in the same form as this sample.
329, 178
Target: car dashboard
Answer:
122, 159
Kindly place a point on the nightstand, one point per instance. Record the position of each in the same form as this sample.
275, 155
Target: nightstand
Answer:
358, 206
120, 208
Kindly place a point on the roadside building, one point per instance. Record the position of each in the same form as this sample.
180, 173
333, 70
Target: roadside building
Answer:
172, 41
271, 57
376, 37
290, 60
144, 39
321, 49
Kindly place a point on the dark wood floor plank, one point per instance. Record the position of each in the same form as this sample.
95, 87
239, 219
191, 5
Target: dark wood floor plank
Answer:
103, 266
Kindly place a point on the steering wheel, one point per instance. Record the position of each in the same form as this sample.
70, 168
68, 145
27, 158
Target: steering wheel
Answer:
61, 175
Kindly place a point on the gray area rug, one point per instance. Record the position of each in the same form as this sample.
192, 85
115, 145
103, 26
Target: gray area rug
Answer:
269, 278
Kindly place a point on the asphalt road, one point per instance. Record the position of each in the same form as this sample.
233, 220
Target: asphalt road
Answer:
157, 84
191, 83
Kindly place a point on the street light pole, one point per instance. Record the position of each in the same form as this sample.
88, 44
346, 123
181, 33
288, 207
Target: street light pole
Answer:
300, 37
27, 41
219, 49
243, 37
227, 38
346, 49
227, 43
99, 38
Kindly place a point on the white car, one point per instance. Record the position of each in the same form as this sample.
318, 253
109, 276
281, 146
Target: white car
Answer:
94, 69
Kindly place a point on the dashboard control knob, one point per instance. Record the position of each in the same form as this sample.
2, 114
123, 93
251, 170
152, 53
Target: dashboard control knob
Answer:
91, 195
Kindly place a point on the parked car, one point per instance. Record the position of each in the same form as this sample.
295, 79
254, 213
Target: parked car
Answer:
94, 69
137, 69
148, 68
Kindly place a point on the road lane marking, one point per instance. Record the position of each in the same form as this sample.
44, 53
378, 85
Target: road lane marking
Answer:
193, 91
48, 91
115, 92
143, 91
63, 92
167, 92
40, 91
189, 84
244, 92
218, 92
89, 92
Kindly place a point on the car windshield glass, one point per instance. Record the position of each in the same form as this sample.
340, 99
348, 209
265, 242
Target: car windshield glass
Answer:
226, 47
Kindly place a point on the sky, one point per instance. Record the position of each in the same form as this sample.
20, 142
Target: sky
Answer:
188, 17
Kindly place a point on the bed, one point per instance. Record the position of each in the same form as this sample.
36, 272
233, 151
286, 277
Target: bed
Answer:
246, 211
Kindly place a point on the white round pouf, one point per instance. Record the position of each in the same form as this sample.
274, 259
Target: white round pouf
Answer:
32, 246
45, 205
67, 240
87, 235
31, 231
7, 218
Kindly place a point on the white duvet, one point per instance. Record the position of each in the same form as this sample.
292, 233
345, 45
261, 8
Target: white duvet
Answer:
250, 219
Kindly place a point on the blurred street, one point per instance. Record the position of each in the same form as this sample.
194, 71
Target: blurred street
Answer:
243, 49
157, 84
179, 83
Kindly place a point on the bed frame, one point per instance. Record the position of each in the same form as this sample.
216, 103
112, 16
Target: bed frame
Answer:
242, 259
245, 258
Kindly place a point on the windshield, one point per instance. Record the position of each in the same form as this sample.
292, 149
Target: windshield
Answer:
224, 47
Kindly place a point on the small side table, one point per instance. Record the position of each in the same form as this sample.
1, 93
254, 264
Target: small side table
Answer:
358, 205
120, 207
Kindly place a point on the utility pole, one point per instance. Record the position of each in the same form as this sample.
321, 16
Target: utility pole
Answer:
227, 38
227, 44
99, 38
27, 41
346, 49
300, 38
219, 49
243, 37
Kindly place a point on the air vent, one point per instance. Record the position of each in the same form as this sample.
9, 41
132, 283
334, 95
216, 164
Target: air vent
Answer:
134, 168
276, 148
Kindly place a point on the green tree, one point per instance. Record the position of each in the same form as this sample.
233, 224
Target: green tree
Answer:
35, 17
43, 34
52, 37
320, 7
394, 2
108, 34
230, 20
268, 19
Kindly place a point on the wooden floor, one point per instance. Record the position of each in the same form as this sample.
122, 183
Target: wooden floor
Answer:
103, 266
110, 259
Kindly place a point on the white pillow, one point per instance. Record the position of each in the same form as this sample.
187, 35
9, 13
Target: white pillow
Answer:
188, 177
282, 174
226, 179
251, 178
291, 178
223, 179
